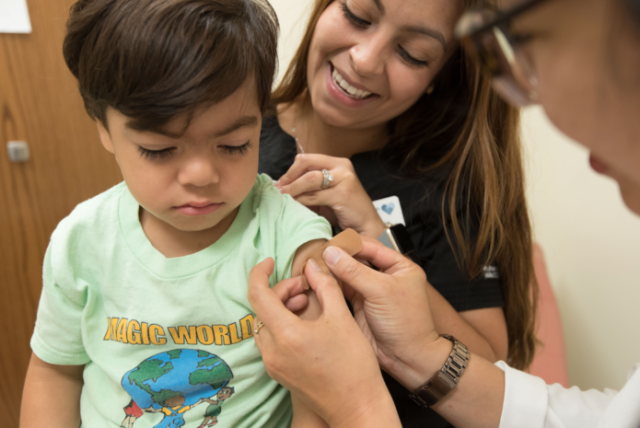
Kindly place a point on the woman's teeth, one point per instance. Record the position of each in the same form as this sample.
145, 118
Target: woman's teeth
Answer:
347, 88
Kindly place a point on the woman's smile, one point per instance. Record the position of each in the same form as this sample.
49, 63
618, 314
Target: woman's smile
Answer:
349, 88
340, 89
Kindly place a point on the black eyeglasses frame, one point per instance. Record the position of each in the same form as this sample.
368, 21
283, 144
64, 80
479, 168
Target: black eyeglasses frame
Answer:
504, 17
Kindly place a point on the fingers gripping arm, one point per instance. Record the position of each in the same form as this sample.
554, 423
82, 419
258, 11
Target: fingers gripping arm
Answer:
348, 240
320, 360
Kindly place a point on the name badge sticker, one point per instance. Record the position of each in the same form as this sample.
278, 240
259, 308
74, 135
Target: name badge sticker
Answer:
389, 210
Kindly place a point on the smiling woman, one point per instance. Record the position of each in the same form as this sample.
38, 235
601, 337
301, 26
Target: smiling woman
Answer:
380, 97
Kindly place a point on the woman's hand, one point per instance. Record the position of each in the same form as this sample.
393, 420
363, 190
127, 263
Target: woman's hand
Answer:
391, 306
345, 203
326, 362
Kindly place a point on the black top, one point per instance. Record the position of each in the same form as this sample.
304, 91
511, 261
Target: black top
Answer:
421, 201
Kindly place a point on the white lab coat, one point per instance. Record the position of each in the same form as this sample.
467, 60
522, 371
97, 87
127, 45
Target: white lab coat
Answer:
530, 403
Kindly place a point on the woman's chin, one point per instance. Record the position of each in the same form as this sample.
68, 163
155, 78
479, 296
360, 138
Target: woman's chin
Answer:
333, 117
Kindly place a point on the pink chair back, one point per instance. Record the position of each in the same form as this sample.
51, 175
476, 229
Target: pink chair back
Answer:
550, 362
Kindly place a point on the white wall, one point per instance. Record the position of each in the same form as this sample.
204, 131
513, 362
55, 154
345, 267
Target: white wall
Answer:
591, 241
293, 16
592, 246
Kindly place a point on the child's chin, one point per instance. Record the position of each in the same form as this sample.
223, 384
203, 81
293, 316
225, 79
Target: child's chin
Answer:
196, 226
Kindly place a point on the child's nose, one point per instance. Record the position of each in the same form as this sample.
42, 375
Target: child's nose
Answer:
199, 172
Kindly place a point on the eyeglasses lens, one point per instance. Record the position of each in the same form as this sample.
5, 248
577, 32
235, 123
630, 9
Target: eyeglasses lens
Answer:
512, 75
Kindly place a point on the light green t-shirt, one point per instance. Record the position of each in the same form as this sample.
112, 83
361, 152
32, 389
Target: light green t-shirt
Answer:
159, 336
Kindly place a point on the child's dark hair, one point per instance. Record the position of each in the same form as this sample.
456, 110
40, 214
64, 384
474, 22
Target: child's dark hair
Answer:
153, 60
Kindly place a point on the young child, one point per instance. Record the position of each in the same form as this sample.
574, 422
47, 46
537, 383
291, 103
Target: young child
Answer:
144, 315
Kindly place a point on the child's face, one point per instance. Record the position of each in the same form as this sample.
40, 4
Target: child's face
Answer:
192, 181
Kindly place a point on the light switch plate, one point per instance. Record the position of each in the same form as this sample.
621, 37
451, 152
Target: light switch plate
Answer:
18, 151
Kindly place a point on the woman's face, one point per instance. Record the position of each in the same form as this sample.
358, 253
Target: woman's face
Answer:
586, 56
370, 60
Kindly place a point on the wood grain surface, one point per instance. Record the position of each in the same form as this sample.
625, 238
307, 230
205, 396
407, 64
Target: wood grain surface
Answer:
39, 104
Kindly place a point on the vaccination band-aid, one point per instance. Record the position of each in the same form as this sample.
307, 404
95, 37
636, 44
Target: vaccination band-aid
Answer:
349, 241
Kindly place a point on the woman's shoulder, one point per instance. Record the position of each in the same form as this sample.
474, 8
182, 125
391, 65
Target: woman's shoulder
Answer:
271, 129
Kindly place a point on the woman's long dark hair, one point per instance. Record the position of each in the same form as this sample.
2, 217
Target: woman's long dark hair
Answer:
466, 130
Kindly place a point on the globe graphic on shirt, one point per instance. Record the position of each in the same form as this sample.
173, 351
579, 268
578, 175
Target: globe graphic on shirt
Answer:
187, 373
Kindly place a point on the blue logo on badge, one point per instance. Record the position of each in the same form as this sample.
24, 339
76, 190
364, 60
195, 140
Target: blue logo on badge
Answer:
388, 208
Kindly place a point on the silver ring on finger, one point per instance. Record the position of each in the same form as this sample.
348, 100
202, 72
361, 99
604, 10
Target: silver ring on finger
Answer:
327, 178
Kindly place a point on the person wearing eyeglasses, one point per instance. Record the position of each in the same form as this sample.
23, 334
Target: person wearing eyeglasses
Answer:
580, 60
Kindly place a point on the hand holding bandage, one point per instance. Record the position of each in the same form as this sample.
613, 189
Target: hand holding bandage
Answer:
348, 241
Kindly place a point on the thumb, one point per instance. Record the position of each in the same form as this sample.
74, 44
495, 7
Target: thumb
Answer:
327, 290
264, 268
353, 273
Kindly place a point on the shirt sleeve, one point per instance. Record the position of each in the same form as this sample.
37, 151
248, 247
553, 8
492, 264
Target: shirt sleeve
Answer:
448, 273
530, 403
296, 225
57, 338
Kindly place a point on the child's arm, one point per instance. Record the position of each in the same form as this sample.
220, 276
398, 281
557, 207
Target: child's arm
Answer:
51, 395
349, 241
303, 417
313, 310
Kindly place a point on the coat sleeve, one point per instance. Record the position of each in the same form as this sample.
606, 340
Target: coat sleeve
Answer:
530, 403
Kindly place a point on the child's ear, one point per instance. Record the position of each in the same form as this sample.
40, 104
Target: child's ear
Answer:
105, 137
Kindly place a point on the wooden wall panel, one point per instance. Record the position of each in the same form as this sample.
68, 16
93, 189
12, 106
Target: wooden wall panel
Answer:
40, 104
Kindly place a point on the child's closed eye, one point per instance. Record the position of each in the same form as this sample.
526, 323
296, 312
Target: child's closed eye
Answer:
156, 154
237, 150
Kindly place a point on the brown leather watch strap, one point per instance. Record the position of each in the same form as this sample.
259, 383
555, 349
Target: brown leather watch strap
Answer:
446, 379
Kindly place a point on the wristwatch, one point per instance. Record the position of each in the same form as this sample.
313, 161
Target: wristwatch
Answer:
446, 379
397, 238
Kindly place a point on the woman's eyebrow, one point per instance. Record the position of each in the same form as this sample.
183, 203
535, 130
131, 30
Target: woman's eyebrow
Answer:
427, 32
